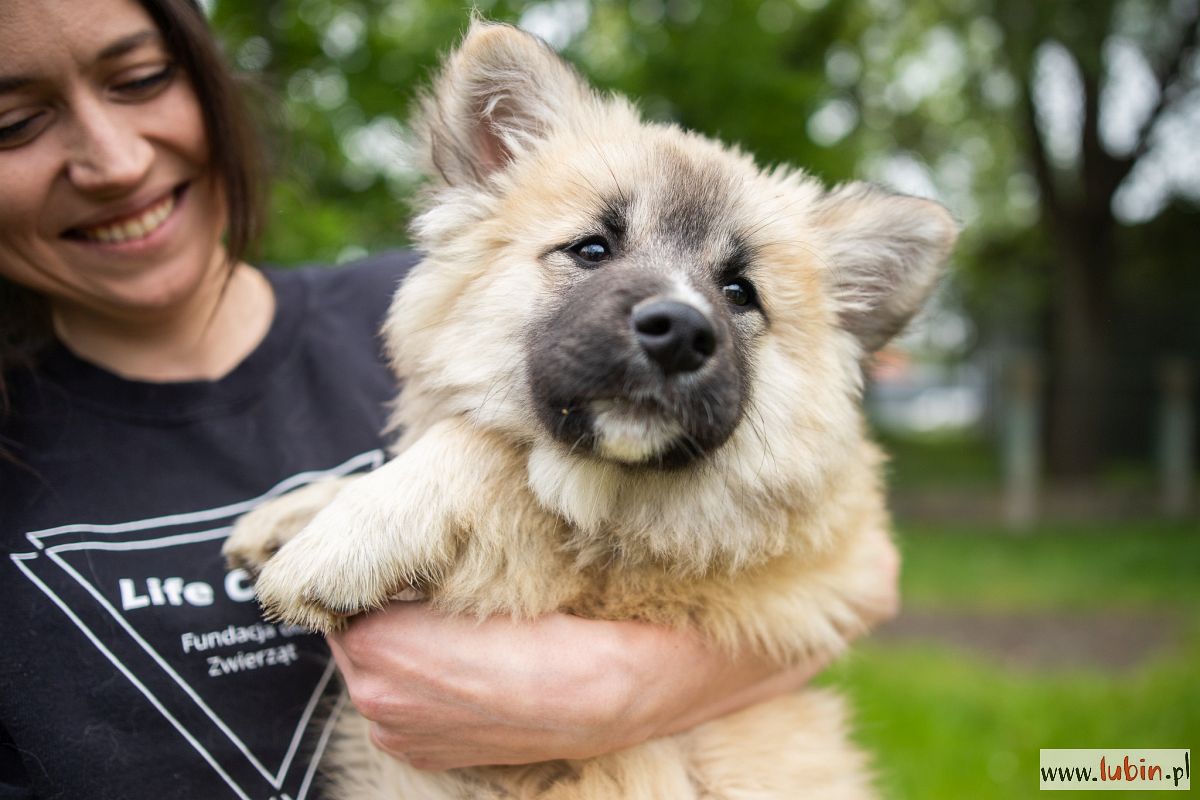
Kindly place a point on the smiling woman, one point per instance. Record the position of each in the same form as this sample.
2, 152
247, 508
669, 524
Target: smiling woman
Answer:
154, 386
127, 155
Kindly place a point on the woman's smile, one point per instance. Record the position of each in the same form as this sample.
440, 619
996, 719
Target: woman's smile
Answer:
133, 231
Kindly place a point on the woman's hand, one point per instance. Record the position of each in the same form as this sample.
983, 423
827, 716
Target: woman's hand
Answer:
444, 692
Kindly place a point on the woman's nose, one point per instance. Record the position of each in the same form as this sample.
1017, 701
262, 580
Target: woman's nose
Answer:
108, 153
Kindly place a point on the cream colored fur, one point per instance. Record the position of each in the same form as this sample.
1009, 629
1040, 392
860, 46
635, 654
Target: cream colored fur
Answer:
762, 547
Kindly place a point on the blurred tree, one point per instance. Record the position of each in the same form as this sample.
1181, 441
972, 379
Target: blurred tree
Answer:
1078, 184
1041, 125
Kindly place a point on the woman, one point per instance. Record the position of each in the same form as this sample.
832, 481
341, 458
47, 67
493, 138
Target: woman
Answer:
155, 387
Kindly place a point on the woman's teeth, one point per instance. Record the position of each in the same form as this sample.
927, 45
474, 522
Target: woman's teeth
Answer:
139, 227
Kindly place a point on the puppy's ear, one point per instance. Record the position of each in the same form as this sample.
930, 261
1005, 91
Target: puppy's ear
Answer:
886, 253
499, 94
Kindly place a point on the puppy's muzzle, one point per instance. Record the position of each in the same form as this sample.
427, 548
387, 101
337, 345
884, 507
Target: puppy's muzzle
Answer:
627, 366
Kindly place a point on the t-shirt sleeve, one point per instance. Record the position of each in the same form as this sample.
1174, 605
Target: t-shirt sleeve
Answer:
363, 289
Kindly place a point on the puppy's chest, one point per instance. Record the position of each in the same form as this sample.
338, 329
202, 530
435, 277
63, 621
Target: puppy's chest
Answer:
644, 594
537, 571
515, 556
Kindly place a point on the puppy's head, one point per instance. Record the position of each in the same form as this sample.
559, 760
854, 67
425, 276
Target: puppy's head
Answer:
637, 296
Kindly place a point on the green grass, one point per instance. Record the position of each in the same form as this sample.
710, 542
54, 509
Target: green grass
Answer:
1058, 568
944, 723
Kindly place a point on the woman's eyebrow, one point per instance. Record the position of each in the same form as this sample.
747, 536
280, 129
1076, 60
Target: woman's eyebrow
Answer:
118, 48
11, 83
127, 43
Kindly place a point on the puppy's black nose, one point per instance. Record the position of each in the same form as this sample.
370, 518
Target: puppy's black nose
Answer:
676, 336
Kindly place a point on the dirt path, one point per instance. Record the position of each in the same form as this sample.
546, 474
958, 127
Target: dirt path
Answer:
1113, 641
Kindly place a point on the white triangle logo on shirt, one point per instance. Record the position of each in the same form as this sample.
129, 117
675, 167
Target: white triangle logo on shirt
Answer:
154, 596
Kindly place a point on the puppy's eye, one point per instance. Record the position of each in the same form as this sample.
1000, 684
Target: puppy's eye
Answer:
739, 292
591, 250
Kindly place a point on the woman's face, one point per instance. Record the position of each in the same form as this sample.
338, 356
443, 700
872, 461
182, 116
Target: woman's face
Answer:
107, 203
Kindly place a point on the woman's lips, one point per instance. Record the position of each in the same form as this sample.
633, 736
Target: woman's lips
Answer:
130, 228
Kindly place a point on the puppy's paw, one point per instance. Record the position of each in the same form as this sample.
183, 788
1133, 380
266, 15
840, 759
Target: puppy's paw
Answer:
390, 530
258, 534
286, 603
330, 572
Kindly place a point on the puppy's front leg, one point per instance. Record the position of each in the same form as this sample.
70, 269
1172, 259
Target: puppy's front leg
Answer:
391, 529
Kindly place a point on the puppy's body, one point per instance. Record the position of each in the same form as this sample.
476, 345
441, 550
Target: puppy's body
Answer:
631, 366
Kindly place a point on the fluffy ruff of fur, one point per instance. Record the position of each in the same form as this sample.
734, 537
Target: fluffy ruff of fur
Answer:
507, 494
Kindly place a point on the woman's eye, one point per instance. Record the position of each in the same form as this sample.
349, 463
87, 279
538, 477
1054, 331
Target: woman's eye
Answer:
21, 131
739, 292
147, 85
592, 250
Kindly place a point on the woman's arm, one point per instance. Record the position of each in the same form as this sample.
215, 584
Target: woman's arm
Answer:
444, 692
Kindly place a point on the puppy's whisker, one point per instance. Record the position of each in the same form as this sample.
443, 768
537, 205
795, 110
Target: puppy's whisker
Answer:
758, 426
575, 445
505, 374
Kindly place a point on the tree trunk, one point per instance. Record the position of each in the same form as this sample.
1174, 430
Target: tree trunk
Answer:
1077, 214
1080, 349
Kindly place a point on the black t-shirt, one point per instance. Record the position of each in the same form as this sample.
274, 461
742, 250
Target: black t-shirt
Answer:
133, 665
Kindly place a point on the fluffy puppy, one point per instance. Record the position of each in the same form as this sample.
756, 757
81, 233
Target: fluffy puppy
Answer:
631, 363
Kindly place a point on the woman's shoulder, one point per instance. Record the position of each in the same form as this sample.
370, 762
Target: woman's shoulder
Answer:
374, 273
362, 288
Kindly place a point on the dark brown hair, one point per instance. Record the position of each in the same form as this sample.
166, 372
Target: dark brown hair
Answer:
234, 156
233, 144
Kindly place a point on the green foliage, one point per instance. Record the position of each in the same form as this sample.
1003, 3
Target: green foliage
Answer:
815, 83
723, 71
925, 91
